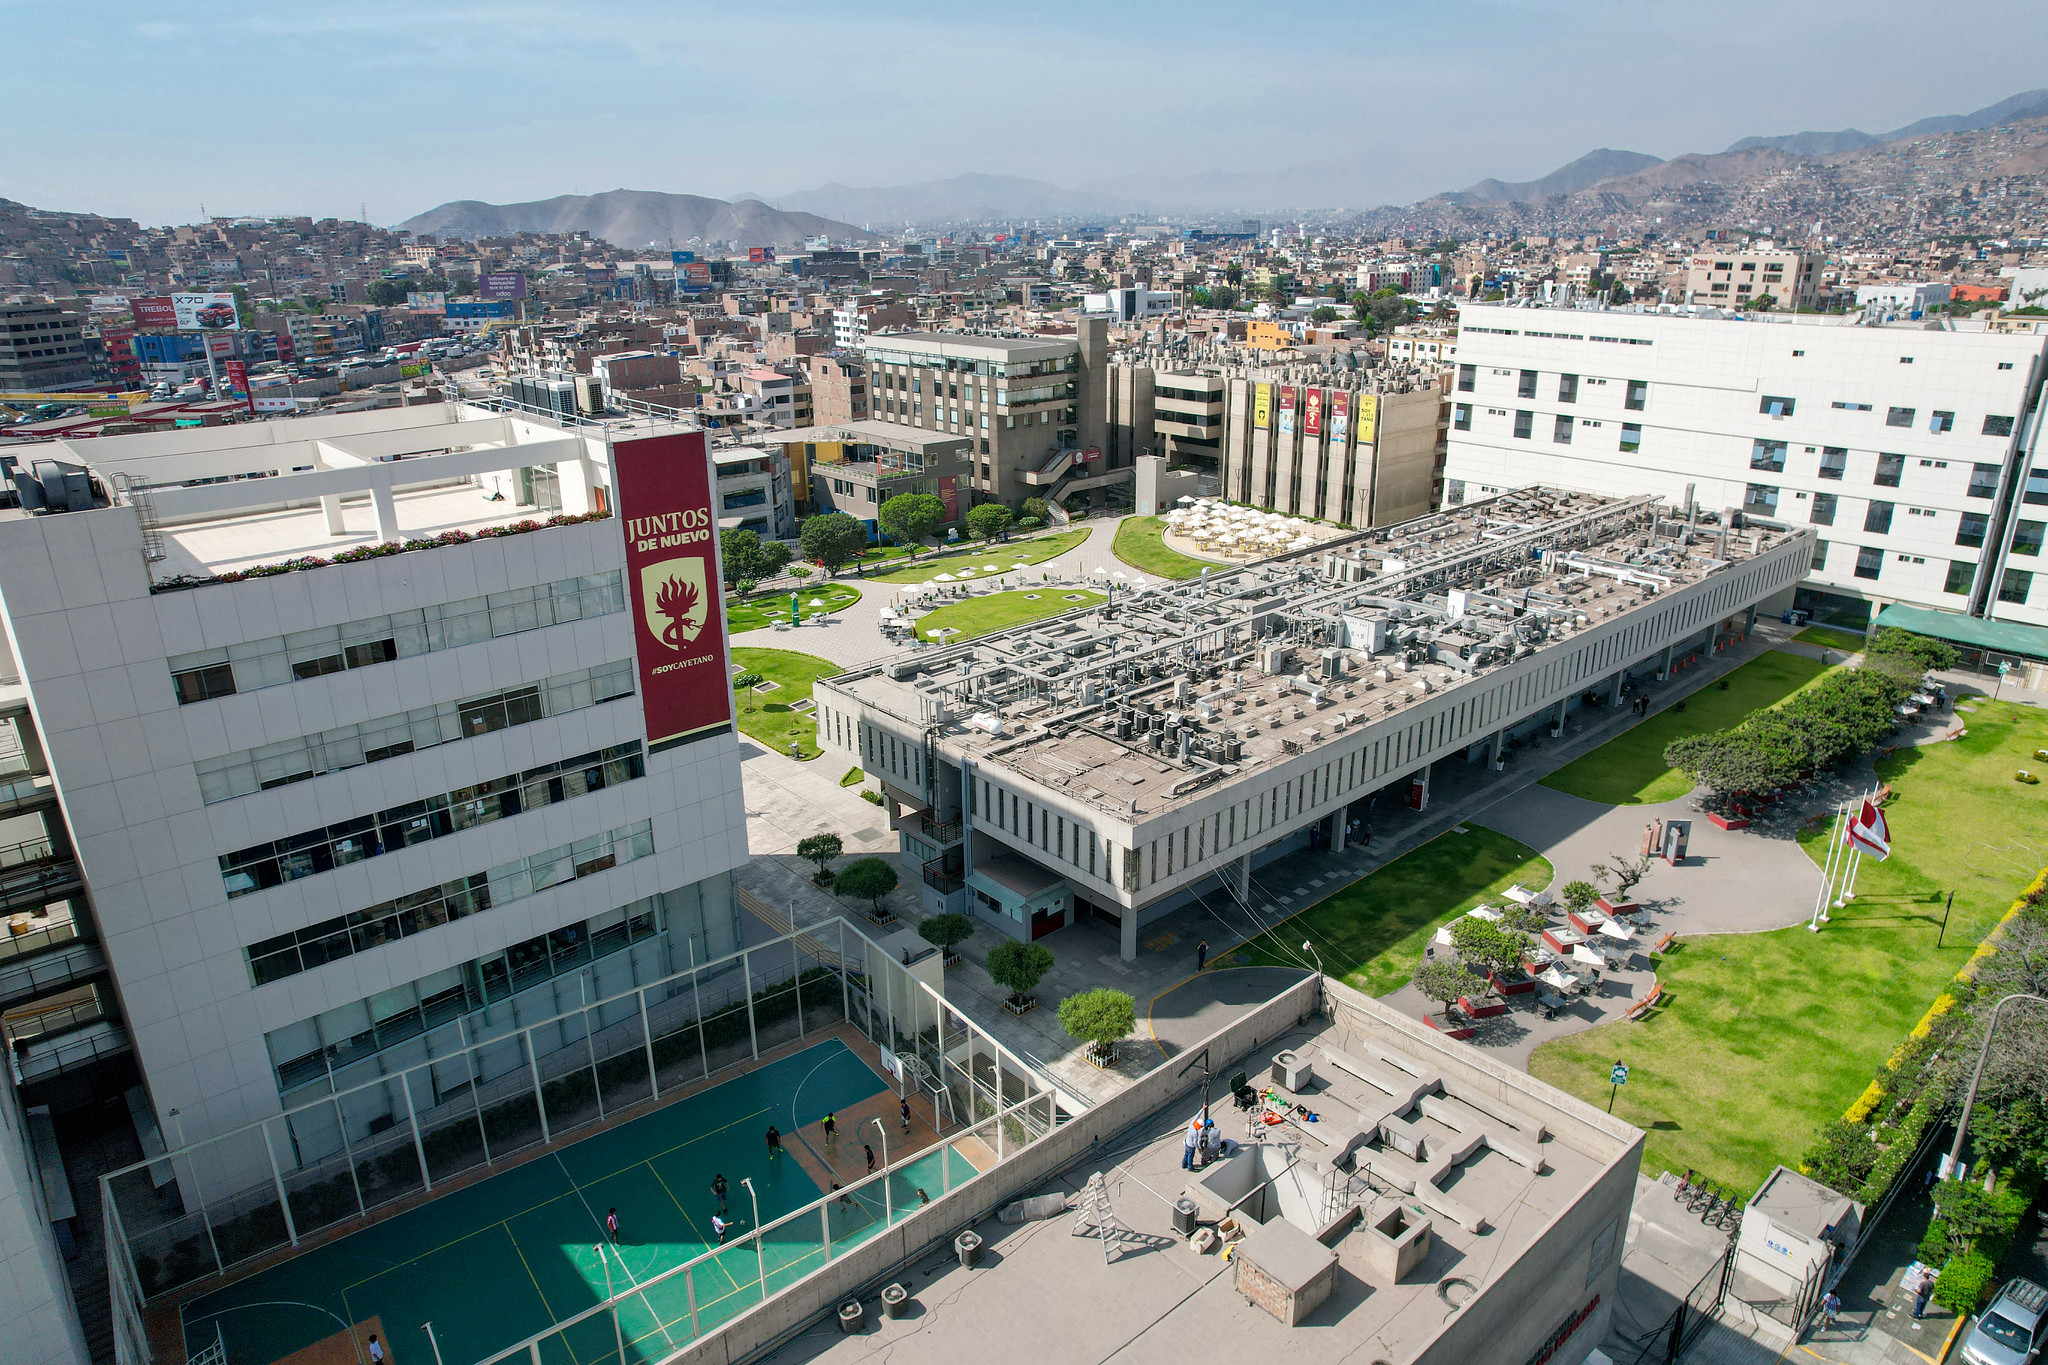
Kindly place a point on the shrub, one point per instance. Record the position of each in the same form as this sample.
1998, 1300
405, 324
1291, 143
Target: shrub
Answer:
872, 798
1101, 1017
854, 777
748, 679
1961, 1286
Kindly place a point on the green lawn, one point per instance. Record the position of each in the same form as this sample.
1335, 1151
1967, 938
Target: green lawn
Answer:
1372, 932
766, 716
1002, 554
1140, 542
766, 609
1828, 637
1629, 769
1766, 1037
980, 615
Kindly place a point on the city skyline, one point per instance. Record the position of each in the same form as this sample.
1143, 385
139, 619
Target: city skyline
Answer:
496, 103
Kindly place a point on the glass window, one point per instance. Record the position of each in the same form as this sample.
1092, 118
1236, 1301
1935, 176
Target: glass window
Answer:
1941, 421
1877, 518
1638, 395
1631, 436
1527, 387
2026, 537
1467, 378
1961, 573
1823, 509
1775, 407
1561, 431
1567, 388
1899, 417
1998, 426
1820, 556
1889, 470
1869, 562
1972, 529
2015, 585
1762, 499
1984, 480
1524, 423
1461, 416
202, 684
2036, 490
1767, 455
1834, 461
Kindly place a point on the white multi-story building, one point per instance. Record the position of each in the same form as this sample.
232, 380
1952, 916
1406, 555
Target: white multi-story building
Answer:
1914, 452
299, 829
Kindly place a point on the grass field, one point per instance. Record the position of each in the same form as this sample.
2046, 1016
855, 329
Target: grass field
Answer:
766, 716
1372, 932
1768, 1036
1002, 554
980, 615
1140, 542
766, 609
1827, 637
1629, 770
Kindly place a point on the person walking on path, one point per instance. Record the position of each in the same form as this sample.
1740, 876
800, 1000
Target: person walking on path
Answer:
1202, 955
377, 1356
611, 1225
905, 1107
721, 1189
831, 1127
774, 1143
1830, 1308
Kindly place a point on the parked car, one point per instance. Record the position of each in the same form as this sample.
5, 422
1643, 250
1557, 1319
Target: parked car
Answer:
2009, 1332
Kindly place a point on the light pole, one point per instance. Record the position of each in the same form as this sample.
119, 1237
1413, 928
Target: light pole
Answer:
428, 1328
1955, 1151
888, 1201
760, 1252
618, 1332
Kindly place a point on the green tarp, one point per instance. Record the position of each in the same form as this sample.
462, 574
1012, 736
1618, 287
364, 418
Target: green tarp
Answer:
2005, 637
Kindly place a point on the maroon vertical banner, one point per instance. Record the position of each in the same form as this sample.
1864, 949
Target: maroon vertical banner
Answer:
949, 493
664, 486
1340, 415
238, 381
1312, 412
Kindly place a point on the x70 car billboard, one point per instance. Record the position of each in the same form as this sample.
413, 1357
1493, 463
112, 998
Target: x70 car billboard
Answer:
206, 312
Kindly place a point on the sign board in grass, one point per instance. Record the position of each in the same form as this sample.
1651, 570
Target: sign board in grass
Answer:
980, 615
1372, 932
769, 716
1768, 1036
1141, 543
1629, 769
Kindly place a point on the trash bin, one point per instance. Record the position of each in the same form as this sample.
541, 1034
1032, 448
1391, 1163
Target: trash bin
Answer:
968, 1246
850, 1315
1184, 1217
893, 1298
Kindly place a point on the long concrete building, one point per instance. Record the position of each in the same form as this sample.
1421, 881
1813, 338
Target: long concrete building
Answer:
1120, 760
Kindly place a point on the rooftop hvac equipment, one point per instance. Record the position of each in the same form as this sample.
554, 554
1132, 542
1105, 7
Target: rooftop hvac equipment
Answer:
1333, 663
1275, 657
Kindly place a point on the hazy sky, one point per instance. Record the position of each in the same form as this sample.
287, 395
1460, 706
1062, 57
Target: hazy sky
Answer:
324, 108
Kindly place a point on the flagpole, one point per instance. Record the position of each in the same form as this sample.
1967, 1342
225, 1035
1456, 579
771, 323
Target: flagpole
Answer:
1856, 862
1827, 872
1846, 878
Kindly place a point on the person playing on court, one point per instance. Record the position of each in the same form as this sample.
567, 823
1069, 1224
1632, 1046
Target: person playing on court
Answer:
869, 1149
923, 1198
905, 1108
377, 1356
721, 1189
774, 1143
720, 1226
831, 1127
844, 1197
611, 1225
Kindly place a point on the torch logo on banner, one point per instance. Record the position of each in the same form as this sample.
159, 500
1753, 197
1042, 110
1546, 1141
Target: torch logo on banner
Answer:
673, 592
1868, 832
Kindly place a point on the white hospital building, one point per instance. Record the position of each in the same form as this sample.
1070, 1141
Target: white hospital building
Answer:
275, 829
1913, 450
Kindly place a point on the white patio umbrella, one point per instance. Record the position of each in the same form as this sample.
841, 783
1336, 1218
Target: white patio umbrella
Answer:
1588, 956
1560, 978
944, 578
1614, 929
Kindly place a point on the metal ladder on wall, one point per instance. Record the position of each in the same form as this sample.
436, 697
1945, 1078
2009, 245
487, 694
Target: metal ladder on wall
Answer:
1096, 1218
136, 494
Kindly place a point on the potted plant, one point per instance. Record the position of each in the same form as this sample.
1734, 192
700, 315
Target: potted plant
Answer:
820, 849
1018, 967
943, 931
1102, 1018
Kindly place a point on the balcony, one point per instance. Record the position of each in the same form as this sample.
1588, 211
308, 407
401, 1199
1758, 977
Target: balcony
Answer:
939, 831
943, 880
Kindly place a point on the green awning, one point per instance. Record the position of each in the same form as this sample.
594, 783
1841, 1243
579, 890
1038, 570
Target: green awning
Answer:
1971, 632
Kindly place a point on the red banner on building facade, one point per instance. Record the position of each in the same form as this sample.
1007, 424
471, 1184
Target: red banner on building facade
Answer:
1312, 412
664, 486
1287, 392
949, 493
1340, 415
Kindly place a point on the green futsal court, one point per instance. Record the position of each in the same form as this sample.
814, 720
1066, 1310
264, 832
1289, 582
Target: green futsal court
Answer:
504, 1259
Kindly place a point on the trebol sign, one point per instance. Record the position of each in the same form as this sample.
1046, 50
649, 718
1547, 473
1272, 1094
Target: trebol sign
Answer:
665, 488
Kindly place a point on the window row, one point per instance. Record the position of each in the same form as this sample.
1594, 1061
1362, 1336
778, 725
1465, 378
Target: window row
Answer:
255, 664
372, 741
331, 940
2014, 585
369, 836
1636, 399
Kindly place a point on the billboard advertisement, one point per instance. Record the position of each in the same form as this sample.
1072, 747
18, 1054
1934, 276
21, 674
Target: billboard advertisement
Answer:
1368, 418
697, 272
433, 301
1287, 409
220, 347
664, 486
206, 313
681, 257
273, 404
501, 284
760, 255
237, 372
1312, 412
1262, 405
1340, 415
154, 314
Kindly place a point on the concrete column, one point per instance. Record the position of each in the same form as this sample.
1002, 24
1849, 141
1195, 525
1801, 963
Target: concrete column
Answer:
330, 508
1614, 688
1493, 750
1664, 664
1129, 949
1337, 823
1749, 619
387, 513
1557, 721
1241, 876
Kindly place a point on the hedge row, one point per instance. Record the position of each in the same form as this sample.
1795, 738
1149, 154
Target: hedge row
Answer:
381, 550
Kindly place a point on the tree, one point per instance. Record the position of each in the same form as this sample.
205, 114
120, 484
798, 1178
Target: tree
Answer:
820, 849
1578, 895
1280, 290
1325, 313
1035, 507
387, 293
908, 518
1018, 966
741, 552
1225, 296
1620, 294
1930, 654
1443, 982
1234, 273
1764, 303
943, 931
1482, 943
1101, 1017
989, 520
833, 539
1626, 869
866, 879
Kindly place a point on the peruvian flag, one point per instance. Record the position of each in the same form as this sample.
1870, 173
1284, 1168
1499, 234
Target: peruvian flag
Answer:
1868, 832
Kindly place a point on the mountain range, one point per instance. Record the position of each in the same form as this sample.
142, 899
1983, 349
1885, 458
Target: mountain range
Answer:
2025, 105
634, 219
